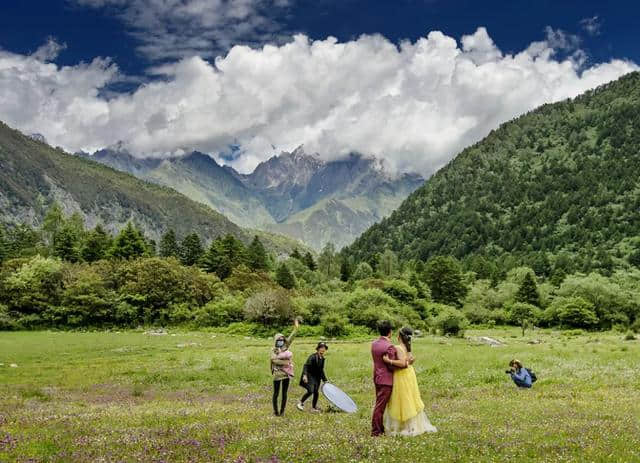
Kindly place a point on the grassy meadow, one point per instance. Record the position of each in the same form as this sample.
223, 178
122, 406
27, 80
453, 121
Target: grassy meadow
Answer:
202, 396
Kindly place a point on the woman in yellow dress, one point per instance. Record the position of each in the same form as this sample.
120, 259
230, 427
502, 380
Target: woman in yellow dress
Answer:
404, 415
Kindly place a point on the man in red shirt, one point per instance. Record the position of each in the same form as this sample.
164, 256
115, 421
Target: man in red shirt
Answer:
382, 374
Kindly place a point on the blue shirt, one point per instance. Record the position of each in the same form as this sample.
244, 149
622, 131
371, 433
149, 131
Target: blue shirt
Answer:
522, 377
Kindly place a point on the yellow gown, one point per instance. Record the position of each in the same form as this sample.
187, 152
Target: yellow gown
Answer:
404, 415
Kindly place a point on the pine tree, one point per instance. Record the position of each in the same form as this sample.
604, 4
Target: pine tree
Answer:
296, 254
309, 262
235, 250
169, 245
215, 261
284, 277
223, 256
66, 243
96, 245
52, 222
345, 270
191, 250
129, 243
528, 291
256, 255
4, 245
444, 277
326, 261
388, 263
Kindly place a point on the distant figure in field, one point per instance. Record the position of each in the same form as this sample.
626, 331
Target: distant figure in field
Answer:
523, 377
405, 414
282, 368
383, 374
312, 376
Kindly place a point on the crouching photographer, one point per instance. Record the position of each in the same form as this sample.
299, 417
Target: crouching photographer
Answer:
523, 377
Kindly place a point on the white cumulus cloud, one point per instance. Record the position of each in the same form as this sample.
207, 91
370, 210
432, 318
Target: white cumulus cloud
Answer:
415, 104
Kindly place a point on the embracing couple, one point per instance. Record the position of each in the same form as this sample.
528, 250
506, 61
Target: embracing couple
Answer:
399, 409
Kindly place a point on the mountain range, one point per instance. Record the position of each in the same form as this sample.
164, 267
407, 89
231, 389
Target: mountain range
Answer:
295, 194
33, 175
561, 180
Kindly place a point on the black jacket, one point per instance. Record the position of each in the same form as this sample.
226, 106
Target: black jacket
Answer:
314, 369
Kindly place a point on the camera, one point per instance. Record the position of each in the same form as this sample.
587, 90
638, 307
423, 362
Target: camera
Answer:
508, 372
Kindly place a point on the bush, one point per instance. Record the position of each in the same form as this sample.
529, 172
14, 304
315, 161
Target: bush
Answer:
87, 299
630, 336
400, 290
499, 317
451, 321
243, 279
362, 299
363, 271
371, 316
220, 312
477, 315
159, 282
576, 312
34, 287
7, 323
335, 325
312, 309
270, 308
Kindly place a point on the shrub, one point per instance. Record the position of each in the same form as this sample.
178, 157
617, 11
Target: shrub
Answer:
499, 316
335, 325
369, 317
220, 312
243, 279
451, 321
271, 308
363, 271
577, 313
34, 287
7, 323
362, 299
312, 309
477, 315
400, 290
87, 299
157, 283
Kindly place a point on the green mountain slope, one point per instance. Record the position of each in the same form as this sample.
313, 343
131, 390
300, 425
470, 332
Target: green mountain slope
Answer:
32, 175
563, 178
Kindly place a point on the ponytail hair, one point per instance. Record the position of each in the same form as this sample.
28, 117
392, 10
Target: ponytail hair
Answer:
406, 334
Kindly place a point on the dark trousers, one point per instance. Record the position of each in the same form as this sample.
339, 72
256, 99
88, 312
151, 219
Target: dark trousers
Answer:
312, 389
520, 383
383, 394
276, 391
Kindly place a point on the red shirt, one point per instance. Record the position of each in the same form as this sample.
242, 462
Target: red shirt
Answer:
382, 372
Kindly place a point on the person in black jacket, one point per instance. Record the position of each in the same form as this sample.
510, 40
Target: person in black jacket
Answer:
312, 375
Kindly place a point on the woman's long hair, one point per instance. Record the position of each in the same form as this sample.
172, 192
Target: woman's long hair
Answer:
406, 334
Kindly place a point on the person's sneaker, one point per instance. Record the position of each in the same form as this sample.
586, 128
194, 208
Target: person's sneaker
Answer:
316, 410
300, 406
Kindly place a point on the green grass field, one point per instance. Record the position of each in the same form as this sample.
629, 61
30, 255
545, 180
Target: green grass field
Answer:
199, 396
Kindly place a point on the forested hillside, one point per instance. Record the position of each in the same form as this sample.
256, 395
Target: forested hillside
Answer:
33, 175
560, 183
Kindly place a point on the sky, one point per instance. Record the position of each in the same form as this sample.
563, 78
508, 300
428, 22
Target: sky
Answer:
409, 81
